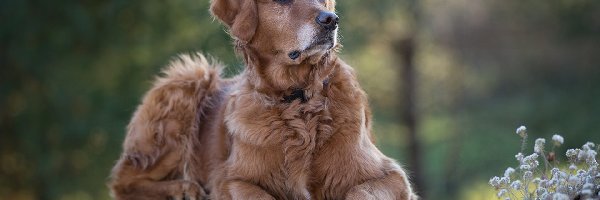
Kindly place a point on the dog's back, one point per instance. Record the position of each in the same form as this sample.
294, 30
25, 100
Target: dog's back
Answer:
169, 133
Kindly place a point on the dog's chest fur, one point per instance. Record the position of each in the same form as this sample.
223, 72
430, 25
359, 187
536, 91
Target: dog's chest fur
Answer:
283, 141
288, 135
280, 146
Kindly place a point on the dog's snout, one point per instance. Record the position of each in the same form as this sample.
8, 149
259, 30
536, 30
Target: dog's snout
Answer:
328, 20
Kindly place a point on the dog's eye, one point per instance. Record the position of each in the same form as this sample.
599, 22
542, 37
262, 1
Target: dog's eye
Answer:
283, 1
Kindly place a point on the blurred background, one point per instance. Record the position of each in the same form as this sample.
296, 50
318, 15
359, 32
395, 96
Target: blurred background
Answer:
449, 82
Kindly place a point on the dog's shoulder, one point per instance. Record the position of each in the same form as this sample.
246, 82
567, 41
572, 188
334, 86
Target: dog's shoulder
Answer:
344, 84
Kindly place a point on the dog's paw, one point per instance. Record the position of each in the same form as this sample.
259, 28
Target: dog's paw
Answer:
187, 190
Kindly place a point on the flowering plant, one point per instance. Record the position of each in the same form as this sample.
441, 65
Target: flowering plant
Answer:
531, 180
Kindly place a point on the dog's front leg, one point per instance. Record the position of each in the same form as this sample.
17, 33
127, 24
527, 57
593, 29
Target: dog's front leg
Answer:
394, 185
244, 190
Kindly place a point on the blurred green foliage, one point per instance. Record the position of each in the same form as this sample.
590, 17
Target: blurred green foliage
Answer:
72, 73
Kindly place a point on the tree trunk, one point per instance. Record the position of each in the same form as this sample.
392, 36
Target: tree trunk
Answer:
405, 49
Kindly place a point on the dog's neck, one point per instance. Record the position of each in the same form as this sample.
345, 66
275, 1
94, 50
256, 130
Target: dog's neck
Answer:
300, 94
286, 83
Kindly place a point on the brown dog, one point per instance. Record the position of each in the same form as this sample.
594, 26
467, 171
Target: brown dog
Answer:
294, 125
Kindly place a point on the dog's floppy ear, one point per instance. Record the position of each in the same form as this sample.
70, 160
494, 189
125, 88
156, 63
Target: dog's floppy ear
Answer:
240, 16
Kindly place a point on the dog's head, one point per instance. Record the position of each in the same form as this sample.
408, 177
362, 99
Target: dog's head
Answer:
282, 32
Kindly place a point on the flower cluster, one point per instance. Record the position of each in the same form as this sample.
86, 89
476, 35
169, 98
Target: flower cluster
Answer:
530, 180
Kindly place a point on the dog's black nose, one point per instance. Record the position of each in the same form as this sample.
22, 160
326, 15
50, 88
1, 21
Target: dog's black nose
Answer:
328, 20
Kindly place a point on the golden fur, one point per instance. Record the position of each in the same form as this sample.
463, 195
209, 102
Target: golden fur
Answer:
196, 135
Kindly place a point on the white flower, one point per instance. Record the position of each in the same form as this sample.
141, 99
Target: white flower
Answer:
573, 180
591, 158
593, 172
558, 140
554, 171
516, 185
593, 169
572, 167
583, 154
581, 173
531, 160
588, 146
556, 177
580, 178
551, 183
544, 195
572, 153
560, 196
522, 131
592, 153
502, 192
589, 179
541, 192
495, 181
509, 171
562, 189
519, 157
528, 175
563, 175
591, 161
504, 181
539, 145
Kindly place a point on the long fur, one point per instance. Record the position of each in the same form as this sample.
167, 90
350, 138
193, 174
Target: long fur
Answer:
196, 135
161, 136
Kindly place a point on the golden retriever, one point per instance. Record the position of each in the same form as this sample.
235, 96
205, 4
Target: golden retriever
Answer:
295, 124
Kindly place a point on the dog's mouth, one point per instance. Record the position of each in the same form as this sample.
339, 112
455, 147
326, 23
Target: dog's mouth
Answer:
320, 44
324, 41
